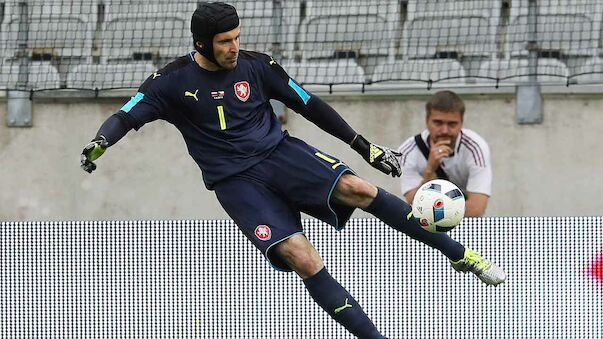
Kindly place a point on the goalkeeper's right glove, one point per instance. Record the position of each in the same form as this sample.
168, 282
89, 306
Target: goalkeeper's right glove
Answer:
93, 151
380, 157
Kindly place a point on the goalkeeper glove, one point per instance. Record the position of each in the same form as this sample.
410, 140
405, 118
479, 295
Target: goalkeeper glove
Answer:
382, 158
93, 151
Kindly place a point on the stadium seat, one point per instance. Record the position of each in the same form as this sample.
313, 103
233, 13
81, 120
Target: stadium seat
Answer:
291, 23
357, 28
58, 29
9, 75
454, 28
42, 75
419, 71
109, 76
569, 27
338, 71
158, 30
145, 31
258, 31
550, 71
590, 73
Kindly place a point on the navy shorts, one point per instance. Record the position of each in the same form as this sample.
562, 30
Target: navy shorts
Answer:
265, 201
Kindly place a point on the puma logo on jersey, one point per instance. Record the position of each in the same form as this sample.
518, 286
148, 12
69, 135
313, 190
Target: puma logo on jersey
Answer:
272, 62
155, 75
193, 95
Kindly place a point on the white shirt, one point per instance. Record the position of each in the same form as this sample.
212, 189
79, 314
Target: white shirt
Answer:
469, 168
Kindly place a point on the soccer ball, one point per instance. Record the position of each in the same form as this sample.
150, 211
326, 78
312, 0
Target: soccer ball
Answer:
439, 206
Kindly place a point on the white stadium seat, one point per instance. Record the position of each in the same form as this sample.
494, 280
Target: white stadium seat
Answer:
590, 73
338, 71
258, 31
9, 75
134, 31
365, 28
571, 27
467, 28
108, 76
60, 28
41, 75
419, 71
551, 71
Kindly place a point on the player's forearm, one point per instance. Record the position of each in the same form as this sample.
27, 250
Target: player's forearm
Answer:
325, 117
476, 204
473, 210
428, 175
113, 129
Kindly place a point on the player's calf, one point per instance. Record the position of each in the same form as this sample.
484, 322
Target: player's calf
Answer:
340, 305
397, 214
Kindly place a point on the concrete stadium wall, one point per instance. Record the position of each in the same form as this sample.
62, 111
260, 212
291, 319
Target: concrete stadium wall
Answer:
544, 169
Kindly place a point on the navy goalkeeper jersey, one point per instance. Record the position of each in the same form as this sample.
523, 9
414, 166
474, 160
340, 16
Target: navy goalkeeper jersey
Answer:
225, 116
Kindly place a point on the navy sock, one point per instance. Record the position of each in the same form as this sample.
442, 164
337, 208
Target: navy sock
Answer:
393, 211
340, 305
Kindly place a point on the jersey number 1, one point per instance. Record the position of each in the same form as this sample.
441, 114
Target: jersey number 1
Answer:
222, 117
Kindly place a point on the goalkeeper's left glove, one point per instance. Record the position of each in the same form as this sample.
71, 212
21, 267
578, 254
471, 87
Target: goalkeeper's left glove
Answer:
93, 151
382, 158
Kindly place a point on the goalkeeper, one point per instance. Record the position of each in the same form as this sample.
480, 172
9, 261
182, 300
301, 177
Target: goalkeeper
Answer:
218, 98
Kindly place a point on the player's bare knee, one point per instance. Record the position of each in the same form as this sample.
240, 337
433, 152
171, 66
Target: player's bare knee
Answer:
306, 264
300, 255
355, 191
